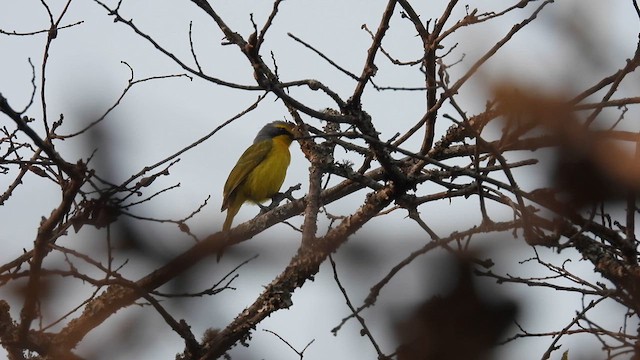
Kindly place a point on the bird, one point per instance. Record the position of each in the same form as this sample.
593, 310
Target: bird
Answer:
260, 171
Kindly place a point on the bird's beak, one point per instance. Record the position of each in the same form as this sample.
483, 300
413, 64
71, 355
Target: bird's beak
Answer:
297, 133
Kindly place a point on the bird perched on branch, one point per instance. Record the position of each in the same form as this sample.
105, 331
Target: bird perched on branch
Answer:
261, 169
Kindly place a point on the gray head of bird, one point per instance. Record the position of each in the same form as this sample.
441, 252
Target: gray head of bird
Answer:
274, 129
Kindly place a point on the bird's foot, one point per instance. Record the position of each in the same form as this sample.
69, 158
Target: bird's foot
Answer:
277, 199
265, 209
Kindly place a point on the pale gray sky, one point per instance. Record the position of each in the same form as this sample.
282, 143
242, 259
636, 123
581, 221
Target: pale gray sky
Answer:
157, 118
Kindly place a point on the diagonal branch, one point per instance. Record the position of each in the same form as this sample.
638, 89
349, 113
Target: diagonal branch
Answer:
303, 266
369, 69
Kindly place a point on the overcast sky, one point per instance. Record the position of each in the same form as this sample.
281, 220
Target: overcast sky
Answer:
85, 76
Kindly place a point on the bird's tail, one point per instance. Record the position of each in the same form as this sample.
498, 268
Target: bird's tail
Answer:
231, 213
233, 207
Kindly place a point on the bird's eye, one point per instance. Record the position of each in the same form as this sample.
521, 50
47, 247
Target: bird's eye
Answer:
283, 131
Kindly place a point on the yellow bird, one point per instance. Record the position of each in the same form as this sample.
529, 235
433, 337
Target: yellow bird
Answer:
261, 169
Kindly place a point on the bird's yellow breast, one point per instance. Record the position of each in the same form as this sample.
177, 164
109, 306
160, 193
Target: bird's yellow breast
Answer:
266, 178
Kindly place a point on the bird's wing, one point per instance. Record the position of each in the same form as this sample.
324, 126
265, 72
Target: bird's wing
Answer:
247, 162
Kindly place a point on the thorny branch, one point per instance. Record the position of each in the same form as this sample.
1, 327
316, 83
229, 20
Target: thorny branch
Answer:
462, 162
